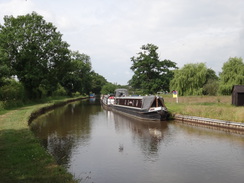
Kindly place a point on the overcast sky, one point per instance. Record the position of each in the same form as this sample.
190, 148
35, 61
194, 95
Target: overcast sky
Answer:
112, 31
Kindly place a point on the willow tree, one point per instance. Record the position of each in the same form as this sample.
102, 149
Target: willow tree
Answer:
232, 74
150, 73
190, 79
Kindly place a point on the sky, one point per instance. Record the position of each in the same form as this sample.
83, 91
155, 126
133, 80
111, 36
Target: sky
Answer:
113, 31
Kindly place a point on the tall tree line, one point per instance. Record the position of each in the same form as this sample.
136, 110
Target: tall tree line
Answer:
33, 50
152, 75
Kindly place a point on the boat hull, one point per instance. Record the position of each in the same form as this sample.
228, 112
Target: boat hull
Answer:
140, 114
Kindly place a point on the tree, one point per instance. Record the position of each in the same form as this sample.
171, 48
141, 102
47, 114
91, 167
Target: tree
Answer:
108, 88
79, 79
97, 82
232, 74
35, 52
190, 79
5, 71
212, 83
151, 74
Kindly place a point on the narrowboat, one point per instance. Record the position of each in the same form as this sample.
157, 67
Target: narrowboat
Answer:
140, 107
92, 95
107, 100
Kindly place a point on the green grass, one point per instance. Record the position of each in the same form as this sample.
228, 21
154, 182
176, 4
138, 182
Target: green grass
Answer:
23, 159
215, 107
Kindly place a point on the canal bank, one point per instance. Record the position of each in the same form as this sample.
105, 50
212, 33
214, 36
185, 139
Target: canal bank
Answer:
23, 159
210, 122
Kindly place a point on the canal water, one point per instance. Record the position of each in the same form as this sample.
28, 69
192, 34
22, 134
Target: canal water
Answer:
101, 146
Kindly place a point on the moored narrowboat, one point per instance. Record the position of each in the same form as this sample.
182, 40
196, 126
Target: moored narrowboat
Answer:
141, 107
107, 101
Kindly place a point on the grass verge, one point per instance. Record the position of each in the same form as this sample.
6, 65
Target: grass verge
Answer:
23, 159
215, 107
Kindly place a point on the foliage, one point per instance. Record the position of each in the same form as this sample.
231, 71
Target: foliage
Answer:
4, 66
97, 82
11, 90
212, 83
151, 74
211, 87
79, 77
190, 79
32, 50
232, 74
35, 52
12, 94
60, 91
108, 88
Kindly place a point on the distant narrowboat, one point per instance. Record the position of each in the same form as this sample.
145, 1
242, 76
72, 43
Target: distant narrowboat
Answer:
92, 95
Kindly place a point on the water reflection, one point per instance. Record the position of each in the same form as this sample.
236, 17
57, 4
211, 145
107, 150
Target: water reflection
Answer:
146, 134
64, 128
97, 145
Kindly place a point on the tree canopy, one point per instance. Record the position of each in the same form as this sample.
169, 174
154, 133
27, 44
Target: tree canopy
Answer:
97, 82
108, 88
150, 73
232, 74
78, 78
191, 79
35, 52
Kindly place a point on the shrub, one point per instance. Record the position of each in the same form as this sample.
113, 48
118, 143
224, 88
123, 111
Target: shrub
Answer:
211, 87
12, 94
76, 94
12, 90
60, 91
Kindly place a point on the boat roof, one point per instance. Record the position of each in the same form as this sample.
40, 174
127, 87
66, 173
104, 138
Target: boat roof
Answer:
121, 92
147, 101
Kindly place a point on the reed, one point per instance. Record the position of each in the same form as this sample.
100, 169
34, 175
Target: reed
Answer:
215, 107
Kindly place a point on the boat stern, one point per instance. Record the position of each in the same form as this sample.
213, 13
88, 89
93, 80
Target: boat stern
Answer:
162, 111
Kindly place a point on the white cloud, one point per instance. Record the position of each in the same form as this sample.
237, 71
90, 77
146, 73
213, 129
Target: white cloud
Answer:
111, 31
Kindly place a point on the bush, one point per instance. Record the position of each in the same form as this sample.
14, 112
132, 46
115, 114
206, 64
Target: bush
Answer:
60, 91
76, 94
12, 94
225, 89
211, 87
12, 90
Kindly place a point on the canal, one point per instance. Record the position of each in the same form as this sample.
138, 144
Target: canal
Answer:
99, 146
